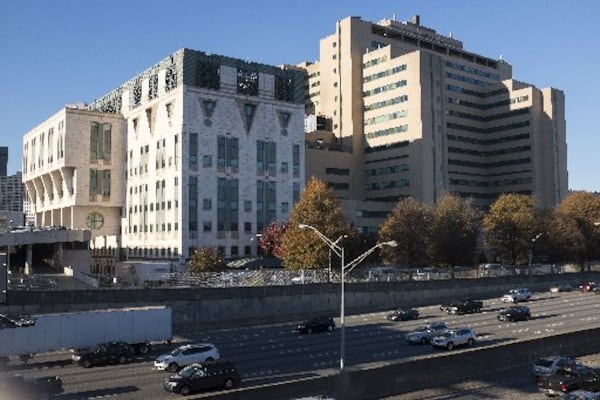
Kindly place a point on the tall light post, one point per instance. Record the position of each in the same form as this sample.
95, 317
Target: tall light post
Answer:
335, 242
339, 250
533, 240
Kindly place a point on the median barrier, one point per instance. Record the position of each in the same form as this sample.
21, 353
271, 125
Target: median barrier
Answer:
438, 369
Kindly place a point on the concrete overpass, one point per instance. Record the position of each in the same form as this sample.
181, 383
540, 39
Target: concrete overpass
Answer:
61, 247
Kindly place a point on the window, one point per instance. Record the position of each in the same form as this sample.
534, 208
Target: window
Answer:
247, 205
207, 226
206, 204
284, 168
227, 152
285, 207
100, 141
193, 152
247, 227
207, 161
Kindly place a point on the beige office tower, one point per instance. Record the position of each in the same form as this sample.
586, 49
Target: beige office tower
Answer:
395, 109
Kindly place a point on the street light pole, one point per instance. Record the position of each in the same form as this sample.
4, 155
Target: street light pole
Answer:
530, 267
342, 318
339, 250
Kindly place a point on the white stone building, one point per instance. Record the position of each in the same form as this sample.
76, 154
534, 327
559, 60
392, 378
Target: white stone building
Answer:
204, 150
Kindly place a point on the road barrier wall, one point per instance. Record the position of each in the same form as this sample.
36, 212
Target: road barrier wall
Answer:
211, 308
442, 368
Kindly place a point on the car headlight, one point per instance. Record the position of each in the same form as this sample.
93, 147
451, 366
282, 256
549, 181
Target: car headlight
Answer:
171, 384
76, 358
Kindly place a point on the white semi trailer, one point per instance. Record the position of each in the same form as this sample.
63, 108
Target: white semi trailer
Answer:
41, 333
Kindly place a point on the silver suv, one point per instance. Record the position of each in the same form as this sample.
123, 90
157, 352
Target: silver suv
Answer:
186, 355
516, 295
455, 337
424, 333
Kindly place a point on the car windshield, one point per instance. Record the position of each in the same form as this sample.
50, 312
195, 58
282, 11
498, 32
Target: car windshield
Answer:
188, 371
448, 334
176, 351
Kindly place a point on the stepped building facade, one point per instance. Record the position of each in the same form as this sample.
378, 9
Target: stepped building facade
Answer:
395, 109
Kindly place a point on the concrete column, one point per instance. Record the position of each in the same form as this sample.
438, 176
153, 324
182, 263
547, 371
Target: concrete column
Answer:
29, 260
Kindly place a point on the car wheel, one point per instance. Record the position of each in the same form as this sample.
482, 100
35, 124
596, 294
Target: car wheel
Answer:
424, 340
309, 330
184, 390
229, 383
527, 317
173, 367
450, 346
86, 363
143, 348
470, 342
122, 359
330, 328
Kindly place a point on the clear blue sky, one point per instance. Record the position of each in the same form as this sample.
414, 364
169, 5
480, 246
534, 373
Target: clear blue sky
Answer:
58, 52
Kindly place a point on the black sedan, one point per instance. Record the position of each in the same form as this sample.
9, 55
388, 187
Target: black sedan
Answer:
319, 324
402, 314
513, 314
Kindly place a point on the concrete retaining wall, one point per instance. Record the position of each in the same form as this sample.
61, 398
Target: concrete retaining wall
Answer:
212, 308
439, 369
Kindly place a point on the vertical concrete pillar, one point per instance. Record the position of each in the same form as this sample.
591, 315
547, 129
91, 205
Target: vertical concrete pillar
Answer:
29, 260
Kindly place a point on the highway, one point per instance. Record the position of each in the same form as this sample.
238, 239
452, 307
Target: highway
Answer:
275, 352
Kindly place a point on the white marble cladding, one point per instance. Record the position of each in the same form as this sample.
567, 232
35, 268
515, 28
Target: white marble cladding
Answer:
187, 116
56, 170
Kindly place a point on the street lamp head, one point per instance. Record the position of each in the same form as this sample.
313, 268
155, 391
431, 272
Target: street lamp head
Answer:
391, 243
596, 223
303, 226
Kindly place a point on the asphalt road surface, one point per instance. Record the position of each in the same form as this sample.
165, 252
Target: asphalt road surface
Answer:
275, 352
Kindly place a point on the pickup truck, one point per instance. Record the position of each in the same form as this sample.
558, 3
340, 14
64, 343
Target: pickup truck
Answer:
569, 379
467, 306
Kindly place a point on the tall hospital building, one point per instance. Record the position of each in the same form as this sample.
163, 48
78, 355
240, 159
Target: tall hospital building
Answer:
197, 150
396, 109
202, 149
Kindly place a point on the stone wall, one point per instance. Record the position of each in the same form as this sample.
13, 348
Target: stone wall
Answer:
212, 308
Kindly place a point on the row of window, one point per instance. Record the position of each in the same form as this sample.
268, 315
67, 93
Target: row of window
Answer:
29, 151
493, 129
386, 103
472, 70
160, 205
504, 163
399, 183
385, 73
386, 132
482, 95
480, 118
388, 117
385, 88
391, 169
494, 183
467, 79
487, 106
151, 228
488, 142
375, 61
493, 153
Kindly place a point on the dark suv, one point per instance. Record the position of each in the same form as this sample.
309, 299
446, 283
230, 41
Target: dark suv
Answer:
513, 314
207, 375
318, 324
104, 353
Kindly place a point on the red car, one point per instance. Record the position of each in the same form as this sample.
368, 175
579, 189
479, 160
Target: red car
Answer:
588, 286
